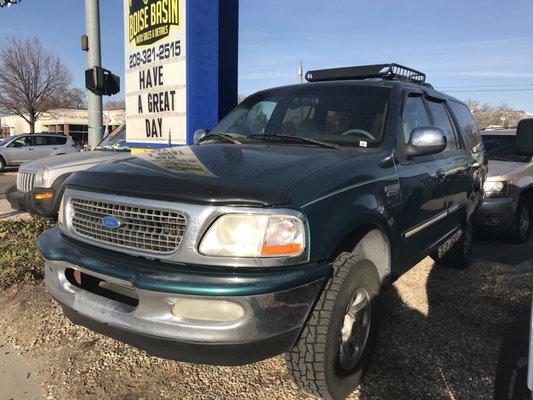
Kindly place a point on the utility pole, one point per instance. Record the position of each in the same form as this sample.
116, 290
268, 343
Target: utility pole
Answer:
301, 71
94, 59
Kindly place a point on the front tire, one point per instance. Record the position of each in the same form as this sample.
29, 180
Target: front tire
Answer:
522, 224
2, 164
332, 354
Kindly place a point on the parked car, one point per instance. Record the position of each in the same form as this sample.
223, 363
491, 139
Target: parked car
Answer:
19, 149
41, 183
514, 373
508, 203
275, 232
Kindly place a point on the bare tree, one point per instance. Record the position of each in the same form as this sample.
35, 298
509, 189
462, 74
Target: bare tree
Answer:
115, 105
487, 115
75, 98
32, 80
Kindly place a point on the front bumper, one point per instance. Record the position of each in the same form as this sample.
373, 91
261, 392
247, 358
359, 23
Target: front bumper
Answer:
25, 201
276, 303
497, 213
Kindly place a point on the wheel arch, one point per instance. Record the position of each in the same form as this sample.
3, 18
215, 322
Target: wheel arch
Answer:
527, 192
373, 240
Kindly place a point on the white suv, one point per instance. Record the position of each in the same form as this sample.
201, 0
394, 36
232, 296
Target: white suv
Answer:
19, 149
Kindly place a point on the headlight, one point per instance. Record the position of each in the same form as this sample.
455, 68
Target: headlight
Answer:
239, 235
66, 212
41, 179
496, 189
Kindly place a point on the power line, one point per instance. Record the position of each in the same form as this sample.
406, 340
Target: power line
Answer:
486, 86
489, 90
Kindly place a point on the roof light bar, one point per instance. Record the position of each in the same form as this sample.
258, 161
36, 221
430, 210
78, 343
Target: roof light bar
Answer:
386, 71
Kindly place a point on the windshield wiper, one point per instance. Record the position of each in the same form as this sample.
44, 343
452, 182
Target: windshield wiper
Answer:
221, 136
298, 139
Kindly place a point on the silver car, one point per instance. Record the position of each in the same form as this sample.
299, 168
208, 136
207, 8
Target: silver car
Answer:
40, 184
19, 149
508, 203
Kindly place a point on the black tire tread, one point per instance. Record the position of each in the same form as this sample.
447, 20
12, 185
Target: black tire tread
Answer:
305, 361
523, 202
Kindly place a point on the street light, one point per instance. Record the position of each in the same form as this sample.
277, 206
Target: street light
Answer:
8, 3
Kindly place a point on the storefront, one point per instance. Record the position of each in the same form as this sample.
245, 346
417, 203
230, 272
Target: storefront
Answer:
70, 122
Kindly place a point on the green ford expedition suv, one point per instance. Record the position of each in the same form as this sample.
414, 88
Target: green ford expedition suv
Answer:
276, 231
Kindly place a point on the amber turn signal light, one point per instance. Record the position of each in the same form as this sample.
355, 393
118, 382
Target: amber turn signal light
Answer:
43, 196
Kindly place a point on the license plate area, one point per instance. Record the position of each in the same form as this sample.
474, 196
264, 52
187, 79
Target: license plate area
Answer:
112, 291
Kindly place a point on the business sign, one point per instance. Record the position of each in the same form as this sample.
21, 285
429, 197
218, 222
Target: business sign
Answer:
156, 103
181, 68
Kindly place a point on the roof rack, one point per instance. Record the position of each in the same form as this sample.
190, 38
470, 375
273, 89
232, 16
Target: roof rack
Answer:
385, 71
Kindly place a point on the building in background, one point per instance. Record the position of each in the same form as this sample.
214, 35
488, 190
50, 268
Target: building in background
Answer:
71, 122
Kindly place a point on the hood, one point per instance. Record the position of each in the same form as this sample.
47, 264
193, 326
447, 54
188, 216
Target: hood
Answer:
72, 160
504, 170
213, 173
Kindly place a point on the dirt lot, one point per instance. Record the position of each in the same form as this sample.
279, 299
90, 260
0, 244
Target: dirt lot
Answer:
440, 338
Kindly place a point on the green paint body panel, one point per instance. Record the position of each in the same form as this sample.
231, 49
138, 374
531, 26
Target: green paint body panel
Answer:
177, 278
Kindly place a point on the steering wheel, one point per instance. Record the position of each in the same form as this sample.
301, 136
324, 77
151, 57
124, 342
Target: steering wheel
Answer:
358, 132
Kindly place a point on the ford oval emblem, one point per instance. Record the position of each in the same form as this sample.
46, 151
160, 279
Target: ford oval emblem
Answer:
111, 222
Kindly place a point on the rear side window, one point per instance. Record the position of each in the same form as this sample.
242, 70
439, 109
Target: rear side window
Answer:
59, 140
468, 126
441, 120
414, 116
39, 141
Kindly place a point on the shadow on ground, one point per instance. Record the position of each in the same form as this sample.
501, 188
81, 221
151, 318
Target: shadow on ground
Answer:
446, 345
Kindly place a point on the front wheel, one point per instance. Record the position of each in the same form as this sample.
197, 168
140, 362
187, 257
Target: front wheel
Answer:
522, 224
2, 164
331, 356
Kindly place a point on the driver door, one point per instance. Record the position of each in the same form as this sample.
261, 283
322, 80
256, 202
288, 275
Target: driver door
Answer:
423, 188
18, 151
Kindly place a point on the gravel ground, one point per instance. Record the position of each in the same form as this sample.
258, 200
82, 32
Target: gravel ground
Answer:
440, 338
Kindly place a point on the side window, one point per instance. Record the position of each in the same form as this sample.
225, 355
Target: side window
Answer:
441, 120
414, 116
55, 140
21, 142
38, 141
468, 126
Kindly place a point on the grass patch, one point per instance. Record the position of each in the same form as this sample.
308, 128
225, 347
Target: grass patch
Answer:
20, 261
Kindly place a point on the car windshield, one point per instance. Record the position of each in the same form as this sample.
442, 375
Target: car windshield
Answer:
345, 115
115, 141
503, 148
4, 142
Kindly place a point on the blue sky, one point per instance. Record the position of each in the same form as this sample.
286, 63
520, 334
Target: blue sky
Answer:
478, 45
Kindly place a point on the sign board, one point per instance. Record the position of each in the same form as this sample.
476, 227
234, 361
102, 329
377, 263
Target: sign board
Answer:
181, 68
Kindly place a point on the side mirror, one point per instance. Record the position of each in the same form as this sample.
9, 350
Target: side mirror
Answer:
199, 135
426, 141
524, 137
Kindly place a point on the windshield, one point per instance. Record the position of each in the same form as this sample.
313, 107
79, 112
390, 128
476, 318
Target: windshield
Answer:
503, 148
345, 115
115, 141
4, 142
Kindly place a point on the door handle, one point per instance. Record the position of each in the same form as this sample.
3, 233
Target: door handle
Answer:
31, 149
56, 148
440, 176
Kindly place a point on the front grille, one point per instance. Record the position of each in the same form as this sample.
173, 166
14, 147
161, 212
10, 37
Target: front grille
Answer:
25, 181
142, 228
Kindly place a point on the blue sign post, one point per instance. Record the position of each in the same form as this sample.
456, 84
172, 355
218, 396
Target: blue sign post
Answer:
181, 68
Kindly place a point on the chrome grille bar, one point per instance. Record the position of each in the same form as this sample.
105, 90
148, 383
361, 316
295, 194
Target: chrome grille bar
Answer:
142, 228
25, 181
